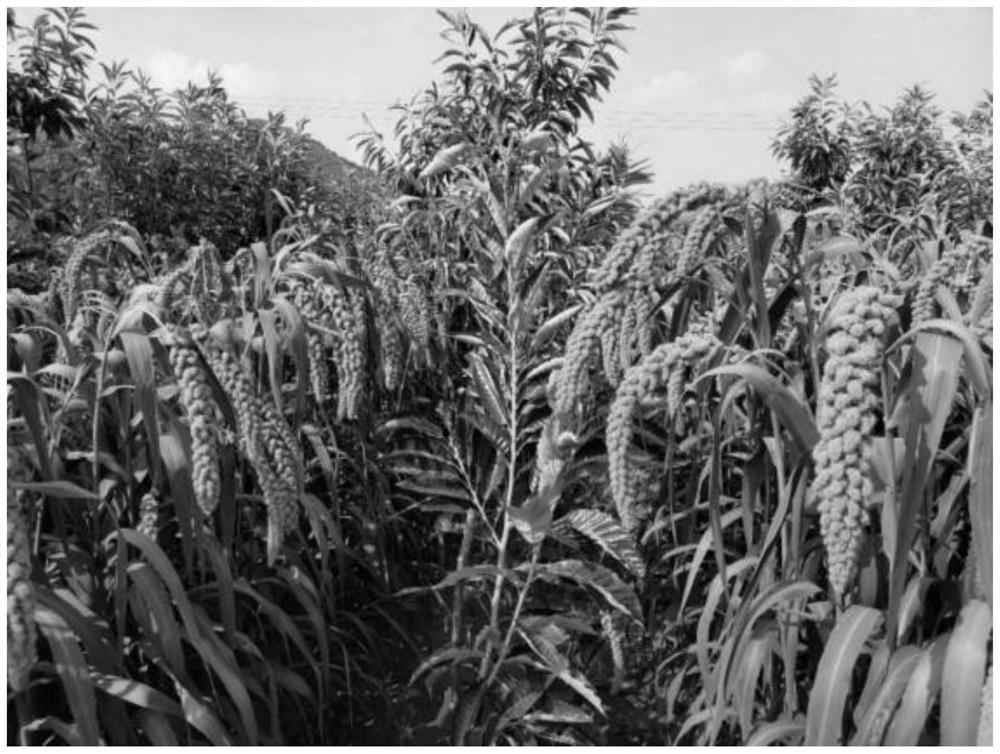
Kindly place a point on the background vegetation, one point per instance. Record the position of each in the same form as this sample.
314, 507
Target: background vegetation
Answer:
469, 447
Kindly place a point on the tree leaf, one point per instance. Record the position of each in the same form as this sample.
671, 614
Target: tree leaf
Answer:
605, 531
444, 160
518, 241
560, 667
616, 592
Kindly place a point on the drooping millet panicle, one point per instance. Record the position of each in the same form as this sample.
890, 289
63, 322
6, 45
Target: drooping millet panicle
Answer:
319, 373
72, 278
610, 340
149, 516
199, 405
957, 268
55, 301
21, 630
619, 258
168, 284
305, 297
666, 366
845, 416
339, 319
207, 283
415, 313
238, 389
359, 317
923, 301
344, 333
646, 234
209, 267
241, 275
280, 443
266, 440
699, 235
635, 325
386, 288
285, 464
391, 351
643, 339
583, 344
627, 326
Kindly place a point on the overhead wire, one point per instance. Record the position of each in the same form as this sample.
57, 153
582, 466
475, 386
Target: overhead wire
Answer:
641, 119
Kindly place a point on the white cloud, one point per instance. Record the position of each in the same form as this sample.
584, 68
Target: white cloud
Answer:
664, 87
748, 64
243, 78
171, 69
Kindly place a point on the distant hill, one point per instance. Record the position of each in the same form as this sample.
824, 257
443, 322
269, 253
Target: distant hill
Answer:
328, 166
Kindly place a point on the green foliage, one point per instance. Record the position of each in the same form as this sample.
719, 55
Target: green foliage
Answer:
896, 172
816, 141
179, 167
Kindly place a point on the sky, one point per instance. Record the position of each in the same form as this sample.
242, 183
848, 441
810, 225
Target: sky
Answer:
699, 93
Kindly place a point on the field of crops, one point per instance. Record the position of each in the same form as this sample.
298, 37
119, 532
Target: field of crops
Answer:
471, 447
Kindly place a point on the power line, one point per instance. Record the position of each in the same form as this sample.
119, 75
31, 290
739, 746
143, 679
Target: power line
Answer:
642, 119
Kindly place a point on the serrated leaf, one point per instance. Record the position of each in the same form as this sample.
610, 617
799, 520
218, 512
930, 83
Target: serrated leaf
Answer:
605, 531
615, 592
488, 388
560, 667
